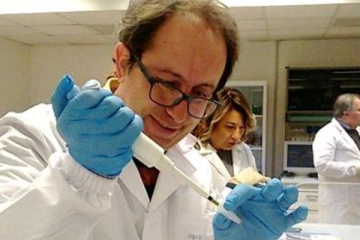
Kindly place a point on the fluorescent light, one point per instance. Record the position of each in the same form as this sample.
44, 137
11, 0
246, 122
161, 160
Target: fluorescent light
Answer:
44, 6
253, 3
38, 6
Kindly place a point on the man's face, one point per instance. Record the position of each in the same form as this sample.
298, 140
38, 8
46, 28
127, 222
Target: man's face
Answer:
228, 131
186, 52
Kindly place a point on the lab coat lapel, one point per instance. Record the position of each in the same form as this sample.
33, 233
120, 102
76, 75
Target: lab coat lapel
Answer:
215, 160
236, 158
349, 140
131, 178
346, 137
167, 184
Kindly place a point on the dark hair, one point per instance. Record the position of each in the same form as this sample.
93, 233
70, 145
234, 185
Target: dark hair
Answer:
144, 17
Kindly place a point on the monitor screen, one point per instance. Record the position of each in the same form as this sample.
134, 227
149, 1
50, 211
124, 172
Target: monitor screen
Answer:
298, 157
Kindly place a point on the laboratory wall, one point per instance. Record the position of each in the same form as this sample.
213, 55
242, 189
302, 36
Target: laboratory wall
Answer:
15, 76
50, 63
315, 53
268, 61
29, 74
257, 62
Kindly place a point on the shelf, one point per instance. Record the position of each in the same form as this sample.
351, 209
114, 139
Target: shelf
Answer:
308, 112
255, 148
308, 117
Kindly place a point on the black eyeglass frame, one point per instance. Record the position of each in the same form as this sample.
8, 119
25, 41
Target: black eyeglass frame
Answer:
152, 81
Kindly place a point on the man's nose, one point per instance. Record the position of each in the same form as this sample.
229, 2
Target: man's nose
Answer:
179, 112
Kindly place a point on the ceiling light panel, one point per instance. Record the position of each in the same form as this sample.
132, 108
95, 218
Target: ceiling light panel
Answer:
37, 19
349, 10
94, 17
248, 3
318, 11
66, 29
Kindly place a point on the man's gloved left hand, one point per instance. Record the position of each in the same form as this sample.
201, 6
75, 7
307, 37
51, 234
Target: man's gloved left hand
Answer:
262, 210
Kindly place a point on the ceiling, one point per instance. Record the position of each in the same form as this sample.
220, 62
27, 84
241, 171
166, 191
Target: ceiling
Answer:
325, 21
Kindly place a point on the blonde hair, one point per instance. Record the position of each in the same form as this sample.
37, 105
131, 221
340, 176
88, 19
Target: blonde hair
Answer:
230, 99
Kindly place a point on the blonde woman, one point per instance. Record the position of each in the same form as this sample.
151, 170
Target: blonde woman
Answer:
221, 136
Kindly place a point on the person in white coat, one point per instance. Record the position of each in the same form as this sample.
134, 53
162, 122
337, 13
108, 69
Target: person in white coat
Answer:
67, 169
337, 161
221, 136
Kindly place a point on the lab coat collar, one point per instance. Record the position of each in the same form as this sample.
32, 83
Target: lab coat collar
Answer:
236, 153
186, 144
206, 149
344, 125
215, 160
181, 155
130, 177
345, 135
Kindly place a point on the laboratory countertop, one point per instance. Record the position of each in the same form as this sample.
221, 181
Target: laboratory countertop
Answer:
343, 232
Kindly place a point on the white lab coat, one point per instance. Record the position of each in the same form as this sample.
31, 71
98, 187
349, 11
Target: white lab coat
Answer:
335, 158
242, 158
45, 194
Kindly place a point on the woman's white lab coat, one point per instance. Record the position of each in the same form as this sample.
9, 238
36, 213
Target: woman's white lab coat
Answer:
335, 158
45, 194
242, 158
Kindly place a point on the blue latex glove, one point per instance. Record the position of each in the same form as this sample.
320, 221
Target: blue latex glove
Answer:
98, 129
263, 211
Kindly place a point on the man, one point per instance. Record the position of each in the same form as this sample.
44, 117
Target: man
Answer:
337, 161
71, 176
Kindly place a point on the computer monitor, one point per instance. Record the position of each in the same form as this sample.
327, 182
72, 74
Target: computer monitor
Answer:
298, 157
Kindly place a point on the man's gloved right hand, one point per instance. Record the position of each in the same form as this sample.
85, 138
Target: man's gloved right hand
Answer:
264, 212
98, 129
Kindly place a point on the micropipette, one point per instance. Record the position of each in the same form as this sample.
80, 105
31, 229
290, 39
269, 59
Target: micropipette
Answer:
152, 155
144, 147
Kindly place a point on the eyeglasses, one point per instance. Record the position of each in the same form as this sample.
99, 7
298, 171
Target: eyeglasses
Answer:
165, 94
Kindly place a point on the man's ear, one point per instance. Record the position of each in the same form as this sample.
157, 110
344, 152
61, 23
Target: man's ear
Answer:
122, 57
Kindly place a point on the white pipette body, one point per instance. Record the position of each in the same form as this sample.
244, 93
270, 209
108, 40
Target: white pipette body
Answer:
152, 155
